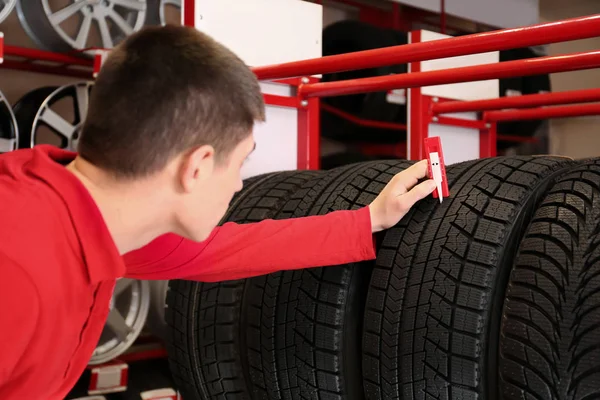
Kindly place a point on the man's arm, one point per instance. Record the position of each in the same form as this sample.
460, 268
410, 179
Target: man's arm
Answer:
241, 251
18, 320
236, 251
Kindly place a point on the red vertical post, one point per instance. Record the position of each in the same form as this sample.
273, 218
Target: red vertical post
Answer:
189, 12
419, 113
487, 140
309, 143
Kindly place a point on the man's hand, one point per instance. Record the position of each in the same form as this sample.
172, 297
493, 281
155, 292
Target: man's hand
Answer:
399, 195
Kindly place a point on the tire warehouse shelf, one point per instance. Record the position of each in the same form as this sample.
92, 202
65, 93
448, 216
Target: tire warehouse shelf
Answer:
435, 298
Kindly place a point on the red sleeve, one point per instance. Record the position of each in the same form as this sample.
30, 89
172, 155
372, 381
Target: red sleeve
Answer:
18, 320
235, 251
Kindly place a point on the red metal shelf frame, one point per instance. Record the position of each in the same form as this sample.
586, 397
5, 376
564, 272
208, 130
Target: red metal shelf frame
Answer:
535, 35
421, 111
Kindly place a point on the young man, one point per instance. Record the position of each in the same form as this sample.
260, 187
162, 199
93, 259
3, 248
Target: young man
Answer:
169, 126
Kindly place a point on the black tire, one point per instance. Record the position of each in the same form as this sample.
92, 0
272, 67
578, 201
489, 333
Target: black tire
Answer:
304, 326
550, 333
204, 335
25, 110
525, 85
349, 36
435, 298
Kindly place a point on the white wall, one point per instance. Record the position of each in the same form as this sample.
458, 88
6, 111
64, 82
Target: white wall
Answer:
574, 137
500, 13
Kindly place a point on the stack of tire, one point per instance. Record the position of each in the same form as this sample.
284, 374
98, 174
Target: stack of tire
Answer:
493, 293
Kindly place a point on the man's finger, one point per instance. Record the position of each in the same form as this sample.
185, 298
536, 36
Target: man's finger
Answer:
411, 175
419, 192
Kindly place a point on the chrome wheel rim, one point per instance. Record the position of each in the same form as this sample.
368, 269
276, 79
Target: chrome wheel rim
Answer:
57, 113
6, 7
113, 19
126, 319
9, 132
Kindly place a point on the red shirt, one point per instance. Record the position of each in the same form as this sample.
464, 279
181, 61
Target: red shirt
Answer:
59, 266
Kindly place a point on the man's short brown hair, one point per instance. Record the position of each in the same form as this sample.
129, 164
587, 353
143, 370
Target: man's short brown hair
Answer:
162, 92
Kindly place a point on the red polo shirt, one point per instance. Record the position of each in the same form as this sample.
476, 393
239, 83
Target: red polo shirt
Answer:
59, 266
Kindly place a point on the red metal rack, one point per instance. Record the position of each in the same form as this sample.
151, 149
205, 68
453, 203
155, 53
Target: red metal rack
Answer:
27, 59
422, 106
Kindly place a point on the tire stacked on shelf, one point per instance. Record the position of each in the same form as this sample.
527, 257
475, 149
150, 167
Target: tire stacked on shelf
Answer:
436, 295
517, 86
550, 331
304, 326
490, 294
349, 36
204, 319
284, 335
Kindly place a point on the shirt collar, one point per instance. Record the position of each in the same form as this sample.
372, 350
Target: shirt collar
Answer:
100, 253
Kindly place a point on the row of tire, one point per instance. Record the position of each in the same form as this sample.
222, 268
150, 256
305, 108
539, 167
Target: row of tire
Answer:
494, 293
49, 23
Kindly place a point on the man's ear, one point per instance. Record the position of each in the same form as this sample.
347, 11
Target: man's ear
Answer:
197, 166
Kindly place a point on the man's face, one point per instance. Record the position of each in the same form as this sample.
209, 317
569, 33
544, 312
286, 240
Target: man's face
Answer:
214, 185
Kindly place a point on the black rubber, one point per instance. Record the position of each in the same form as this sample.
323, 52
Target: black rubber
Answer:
349, 36
433, 308
204, 335
550, 333
304, 326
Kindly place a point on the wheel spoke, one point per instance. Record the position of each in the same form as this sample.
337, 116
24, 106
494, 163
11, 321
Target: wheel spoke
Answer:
7, 145
107, 41
57, 123
120, 22
84, 32
58, 17
131, 4
81, 102
117, 324
121, 285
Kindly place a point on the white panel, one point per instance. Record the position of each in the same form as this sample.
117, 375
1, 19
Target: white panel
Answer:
278, 89
459, 144
263, 32
460, 91
276, 143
